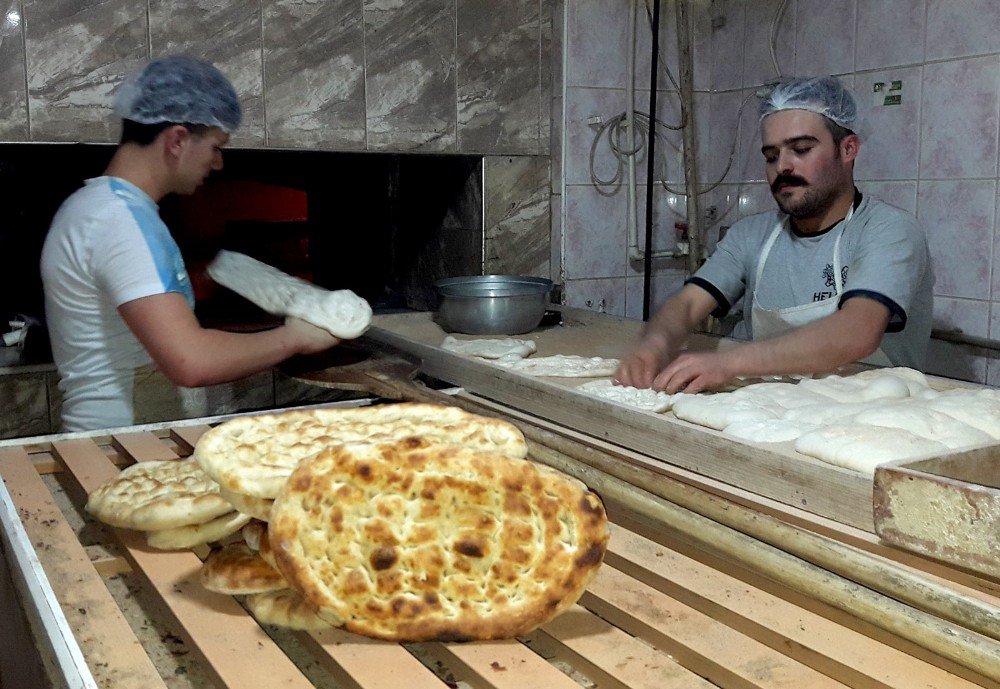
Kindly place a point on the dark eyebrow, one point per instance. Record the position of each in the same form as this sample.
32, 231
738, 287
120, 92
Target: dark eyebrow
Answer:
791, 142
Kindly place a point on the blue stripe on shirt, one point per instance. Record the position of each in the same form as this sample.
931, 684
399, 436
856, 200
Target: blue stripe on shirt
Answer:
166, 256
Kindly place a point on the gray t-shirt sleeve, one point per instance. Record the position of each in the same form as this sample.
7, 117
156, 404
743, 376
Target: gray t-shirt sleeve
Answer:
725, 274
888, 263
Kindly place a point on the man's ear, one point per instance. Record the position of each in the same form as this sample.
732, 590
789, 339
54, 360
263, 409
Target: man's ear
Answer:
174, 138
849, 147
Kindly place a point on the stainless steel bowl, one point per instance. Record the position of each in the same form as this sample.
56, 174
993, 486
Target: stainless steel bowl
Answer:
492, 304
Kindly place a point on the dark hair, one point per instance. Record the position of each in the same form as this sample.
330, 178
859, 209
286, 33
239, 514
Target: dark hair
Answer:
836, 131
144, 134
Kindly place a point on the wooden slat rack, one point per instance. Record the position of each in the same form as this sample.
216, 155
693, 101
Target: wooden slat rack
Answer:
659, 614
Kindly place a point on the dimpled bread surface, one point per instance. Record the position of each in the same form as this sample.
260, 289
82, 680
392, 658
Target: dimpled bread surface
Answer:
413, 541
255, 455
151, 496
236, 569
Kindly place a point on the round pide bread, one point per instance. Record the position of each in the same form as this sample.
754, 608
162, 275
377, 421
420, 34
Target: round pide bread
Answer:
412, 541
254, 455
152, 496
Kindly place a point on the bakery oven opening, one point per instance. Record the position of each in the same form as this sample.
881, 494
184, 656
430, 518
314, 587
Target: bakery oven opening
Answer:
383, 225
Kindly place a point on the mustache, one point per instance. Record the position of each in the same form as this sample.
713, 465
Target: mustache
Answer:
790, 180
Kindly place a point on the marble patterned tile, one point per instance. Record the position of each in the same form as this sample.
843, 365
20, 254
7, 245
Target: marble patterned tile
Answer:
824, 36
410, 75
517, 224
899, 194
960, 141
55, 400
594, 231
314, 97
227, 34
556, 143
888, 149
556, 271
13, 93
602, 296
26, 408
757, 66
498, 76
661, 288
890, 32
957, 361
960, 29
548, 85
596, 47
959, 218
77, 52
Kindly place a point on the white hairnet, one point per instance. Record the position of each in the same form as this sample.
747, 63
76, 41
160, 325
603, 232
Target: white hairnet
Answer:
179, 89
825, 96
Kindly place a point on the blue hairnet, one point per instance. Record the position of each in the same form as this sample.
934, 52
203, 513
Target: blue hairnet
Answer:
825, 96
179, 89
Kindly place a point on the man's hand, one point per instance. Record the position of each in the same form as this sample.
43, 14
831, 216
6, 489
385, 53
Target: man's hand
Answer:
694, 372
639, 367
308, 338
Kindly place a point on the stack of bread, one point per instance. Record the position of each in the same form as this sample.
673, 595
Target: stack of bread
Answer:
404, 522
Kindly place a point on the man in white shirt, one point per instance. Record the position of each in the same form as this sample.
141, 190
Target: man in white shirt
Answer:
117, 296
830, 278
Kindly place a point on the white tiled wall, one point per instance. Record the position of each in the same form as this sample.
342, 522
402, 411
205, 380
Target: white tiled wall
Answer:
935, 154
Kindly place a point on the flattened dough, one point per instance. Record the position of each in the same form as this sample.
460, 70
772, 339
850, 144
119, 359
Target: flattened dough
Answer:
628, 396
770, 431
925, 423
562, 366
720, 410
490, 349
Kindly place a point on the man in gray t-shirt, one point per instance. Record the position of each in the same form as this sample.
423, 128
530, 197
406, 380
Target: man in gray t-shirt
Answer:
831, 278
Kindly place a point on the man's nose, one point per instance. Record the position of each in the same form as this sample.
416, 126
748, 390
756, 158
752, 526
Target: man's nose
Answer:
785, 165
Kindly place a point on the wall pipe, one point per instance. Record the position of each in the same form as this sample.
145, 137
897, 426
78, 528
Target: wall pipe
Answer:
647, 272
686, 68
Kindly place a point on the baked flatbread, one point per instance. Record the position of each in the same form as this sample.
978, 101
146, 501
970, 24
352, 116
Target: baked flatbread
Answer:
285, 608
255, 536
489, 349
197, 534
258, 508
341, 313
416, 542
158, 495
254, 455
236, 569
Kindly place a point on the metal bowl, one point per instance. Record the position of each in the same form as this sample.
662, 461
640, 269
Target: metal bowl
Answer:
492, 304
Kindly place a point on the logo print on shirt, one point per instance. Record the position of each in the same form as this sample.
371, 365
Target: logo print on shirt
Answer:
830, 282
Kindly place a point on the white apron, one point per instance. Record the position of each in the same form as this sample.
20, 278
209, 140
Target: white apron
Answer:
768, 323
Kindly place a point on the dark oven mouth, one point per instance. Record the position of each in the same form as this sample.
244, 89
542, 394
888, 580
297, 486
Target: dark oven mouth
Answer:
385, 226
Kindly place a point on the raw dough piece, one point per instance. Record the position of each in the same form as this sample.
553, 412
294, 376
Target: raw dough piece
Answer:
972, 408
562, 366
490, 349
784, 395
197, 534
860, 389
828, 413
342, 313
862, 448
924, 422
770, 431
722, 409
625, 395
158, 495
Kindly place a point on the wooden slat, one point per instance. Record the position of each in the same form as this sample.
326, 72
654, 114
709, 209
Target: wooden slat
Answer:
805, 636
500, 665
700, 643
142, 447
235, 647
362, 663
187, 437
113, 653
620, 659
105, 564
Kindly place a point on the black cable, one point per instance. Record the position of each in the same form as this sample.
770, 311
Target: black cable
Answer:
647, 264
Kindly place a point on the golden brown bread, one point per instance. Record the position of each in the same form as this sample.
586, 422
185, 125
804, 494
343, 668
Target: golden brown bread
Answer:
285, 608
254, 455
236, 569
412, 541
